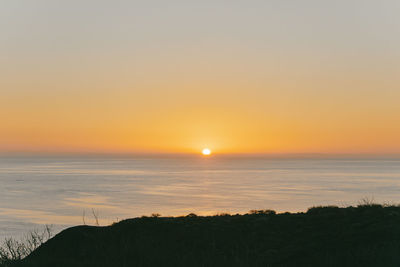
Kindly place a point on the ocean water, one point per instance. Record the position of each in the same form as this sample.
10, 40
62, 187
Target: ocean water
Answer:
66, 191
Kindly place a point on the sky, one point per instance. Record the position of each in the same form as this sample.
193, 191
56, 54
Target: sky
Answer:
175, 76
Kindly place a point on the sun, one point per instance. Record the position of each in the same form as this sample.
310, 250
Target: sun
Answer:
206, 152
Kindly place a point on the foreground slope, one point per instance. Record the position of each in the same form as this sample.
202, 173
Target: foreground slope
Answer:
367, 235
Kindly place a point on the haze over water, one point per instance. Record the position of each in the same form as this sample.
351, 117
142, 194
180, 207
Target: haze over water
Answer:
63, 190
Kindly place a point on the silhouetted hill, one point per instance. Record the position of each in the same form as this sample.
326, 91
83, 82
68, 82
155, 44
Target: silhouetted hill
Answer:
367, 235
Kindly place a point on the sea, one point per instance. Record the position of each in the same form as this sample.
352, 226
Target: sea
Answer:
64, 191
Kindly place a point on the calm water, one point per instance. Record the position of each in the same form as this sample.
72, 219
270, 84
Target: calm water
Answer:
64, 191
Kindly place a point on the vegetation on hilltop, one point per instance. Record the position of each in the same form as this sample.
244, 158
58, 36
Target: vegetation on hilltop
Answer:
13, 251
366, 235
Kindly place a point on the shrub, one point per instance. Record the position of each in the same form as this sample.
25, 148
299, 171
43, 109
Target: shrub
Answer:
263, 212
322, 209
13, 250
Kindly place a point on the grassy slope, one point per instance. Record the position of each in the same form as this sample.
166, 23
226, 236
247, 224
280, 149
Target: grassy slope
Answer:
329, 236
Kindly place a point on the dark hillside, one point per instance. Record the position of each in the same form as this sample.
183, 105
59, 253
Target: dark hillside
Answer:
367, 235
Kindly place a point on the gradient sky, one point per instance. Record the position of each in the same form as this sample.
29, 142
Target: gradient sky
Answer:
176, 76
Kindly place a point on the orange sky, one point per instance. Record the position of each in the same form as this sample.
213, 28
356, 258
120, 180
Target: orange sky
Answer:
143, 78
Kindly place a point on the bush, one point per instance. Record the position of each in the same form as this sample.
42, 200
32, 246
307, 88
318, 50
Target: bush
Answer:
13, 250
322, 209
263, 212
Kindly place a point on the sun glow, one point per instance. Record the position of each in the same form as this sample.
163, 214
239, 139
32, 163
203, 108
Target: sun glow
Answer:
206, 152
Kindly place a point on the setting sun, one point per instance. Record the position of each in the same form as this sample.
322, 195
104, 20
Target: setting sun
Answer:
206, 152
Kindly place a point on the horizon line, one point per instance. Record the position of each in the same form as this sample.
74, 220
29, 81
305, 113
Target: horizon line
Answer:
192, 154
